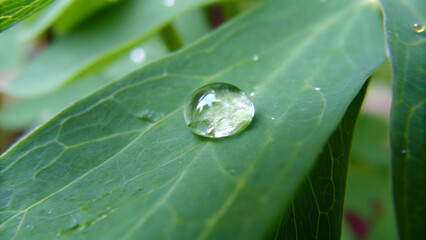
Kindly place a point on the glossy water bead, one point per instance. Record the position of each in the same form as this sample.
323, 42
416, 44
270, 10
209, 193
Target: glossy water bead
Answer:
218, 110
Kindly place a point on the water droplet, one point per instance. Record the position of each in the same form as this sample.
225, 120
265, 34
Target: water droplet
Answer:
19, 218
255, 58
252, 94
137, 55
317, 88
418, 28
169, 3
272, 118
29, 227
218, 110
50, 211
404, 151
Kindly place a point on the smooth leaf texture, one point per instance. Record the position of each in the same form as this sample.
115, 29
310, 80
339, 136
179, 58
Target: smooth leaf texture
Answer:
407, 50
13, 11
316, 210
101, 39
121, 164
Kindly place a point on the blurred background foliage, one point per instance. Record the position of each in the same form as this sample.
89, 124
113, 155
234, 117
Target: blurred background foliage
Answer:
66, 26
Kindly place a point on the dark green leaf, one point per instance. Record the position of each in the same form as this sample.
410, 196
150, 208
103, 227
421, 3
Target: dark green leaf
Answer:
406, 38
13, 11
102, 169
316, 210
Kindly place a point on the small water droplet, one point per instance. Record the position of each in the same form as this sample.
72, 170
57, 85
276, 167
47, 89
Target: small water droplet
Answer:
255, 58
317, 88
252, 94
29, 227
169, 3
19, 217
404, 151
137, 55
50, 211
418, 27
218, 110
272, 118
150, 115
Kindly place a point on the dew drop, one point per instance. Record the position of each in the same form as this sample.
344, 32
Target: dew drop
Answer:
252, 94
137, 55
29, 227
272, 118
404, 151
418, 28
169, 3
218, 110
255, 58
50, 211
317, 88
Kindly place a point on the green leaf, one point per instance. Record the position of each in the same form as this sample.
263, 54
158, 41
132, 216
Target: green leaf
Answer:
34, 111
406, 40
121, 164
317, 208
13, 11
104, 36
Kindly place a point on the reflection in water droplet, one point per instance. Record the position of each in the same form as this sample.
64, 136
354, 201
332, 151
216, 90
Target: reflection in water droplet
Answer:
252, 94
404, 151
418, 28
317, 88
272, 118
137, 55
169, 3
218, 110
255, 58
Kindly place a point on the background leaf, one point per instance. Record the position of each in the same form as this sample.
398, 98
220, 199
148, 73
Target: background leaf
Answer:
96, 43
406, 38
13, 11
316, 210
34, 111
122, 164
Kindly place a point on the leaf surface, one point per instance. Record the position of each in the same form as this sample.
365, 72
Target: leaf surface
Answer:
121, 164
316, 210
406, 40
13, 11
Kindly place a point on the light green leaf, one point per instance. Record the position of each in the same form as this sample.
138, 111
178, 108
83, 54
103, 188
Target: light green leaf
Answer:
98, 41
406, 38
316, 210
121, 164
34, 111
13, 11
